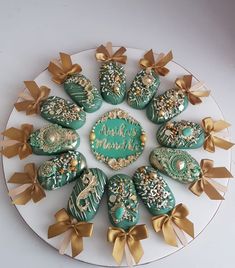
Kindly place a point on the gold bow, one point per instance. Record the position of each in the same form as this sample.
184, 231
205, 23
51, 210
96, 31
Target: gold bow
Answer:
205, 184
106, 54
148, 62
61, 70
167, 222
185, 84
120, 238
17, 143
31, 103
210, 127
30, 187
75, 231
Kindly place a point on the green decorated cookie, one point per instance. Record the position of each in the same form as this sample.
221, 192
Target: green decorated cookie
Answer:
176, 164
153, 190
62, 112
85, 198
117, 139
143, 89
122, 202
181, 134
164, 107
81, 91
53, 139
61, 170
112, 82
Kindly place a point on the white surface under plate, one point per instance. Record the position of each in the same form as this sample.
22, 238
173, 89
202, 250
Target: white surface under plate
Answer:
96, 249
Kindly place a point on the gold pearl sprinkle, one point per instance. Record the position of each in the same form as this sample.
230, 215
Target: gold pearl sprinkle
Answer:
92, 136
143, 138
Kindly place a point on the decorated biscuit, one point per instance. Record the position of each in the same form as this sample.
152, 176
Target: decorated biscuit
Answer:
61, 170
112, 74
146, 82
77, 86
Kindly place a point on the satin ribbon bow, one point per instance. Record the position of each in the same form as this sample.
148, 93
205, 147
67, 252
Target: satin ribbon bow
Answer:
148, 62
194, 96
120, 238
74, 232
106, 54
205, 184
31, 103
210, 127
17, 143
61, 70
173, 224
30, 187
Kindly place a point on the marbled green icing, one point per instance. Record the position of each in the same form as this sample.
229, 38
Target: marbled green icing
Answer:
153, 190
176, 164
181, 134
87, 193
123, 205
116, 139
62, 112
81, 91
61, 170
113, 82
53, 139
142, 89
164, 107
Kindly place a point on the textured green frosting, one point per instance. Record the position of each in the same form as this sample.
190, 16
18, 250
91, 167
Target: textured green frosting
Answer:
123, 204
85, 198
53, 139
113, 82
176, 164
117, 139
153, 190
81, 91
181, 134
164, 107
61, 170
62, 112
142, 89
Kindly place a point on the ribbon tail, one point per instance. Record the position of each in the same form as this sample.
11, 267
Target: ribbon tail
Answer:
136, 249
129, 258
23, 197
196, 188
118, 249
65, 242
169, 234
180, 234
221, 143
11, 151
186, 225
76, 244
211, 191
218, 186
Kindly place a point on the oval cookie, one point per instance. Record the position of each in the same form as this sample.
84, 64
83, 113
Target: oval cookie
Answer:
122, 202
153, 190
178, 165
87, 193
61, 170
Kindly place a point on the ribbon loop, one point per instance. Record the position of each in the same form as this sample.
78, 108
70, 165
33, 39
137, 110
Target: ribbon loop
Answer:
148, 62
194, 96
120, 238
211, 141
31, 103
20, 138
105, 54
166, 222
205, 184
60, 70
29, 186
74, 231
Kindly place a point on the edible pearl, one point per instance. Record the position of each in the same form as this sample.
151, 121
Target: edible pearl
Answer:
74, 162
143, 138
92, 136
180, 164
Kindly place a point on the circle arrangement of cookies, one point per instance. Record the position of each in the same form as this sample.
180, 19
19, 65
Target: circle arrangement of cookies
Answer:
117, 140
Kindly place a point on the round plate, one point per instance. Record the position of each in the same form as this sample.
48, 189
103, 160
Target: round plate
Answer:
96, 249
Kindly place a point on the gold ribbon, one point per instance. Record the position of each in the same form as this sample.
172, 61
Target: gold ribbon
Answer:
159, 68
30, 187
74, 231
205, 184
105, 54
37, 95
166, 223
210, 127
17, 143
61, 70
120, 238
194, 96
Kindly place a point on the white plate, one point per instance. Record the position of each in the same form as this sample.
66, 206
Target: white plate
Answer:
96, 249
